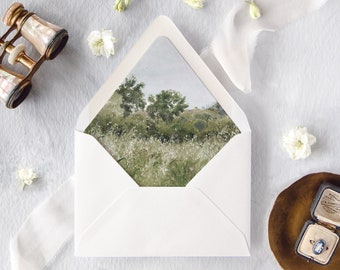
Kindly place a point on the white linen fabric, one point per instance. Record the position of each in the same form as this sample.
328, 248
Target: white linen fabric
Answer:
45, 231
52, 145
234, 45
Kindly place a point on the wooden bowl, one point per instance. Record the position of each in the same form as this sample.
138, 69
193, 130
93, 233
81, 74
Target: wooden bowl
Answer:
290, 211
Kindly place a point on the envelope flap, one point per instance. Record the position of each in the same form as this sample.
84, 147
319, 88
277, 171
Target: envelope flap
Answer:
182, 223
226, 181
99, 180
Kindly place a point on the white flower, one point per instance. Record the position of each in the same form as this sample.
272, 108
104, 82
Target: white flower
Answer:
197, 4
254, 10
298, 143
121, 5
26, 177
102, 43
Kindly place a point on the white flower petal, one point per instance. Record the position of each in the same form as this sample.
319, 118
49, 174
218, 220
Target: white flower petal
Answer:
298, 142
28, 182
101, 43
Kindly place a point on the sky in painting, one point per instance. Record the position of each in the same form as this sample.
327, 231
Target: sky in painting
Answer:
163, 68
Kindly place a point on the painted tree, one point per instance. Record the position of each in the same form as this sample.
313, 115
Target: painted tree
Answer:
166, 105
218, 108
132, 96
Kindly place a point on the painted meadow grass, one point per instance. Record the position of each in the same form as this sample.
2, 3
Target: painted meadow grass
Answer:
160, 140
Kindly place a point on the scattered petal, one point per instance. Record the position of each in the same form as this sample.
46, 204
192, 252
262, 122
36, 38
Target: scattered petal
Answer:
197, 4
298, 142
254, 10
26, 177
102, 43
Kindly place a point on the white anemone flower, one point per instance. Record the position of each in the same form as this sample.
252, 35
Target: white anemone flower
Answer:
298, 142
102, 43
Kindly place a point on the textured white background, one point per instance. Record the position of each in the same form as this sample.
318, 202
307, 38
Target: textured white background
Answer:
296, 81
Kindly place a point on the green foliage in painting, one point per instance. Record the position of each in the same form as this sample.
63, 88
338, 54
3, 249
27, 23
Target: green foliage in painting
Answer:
164, 143
166, 105
132, 96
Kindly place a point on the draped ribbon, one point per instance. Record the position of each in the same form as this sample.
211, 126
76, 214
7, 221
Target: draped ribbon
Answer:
233, 47
45, 231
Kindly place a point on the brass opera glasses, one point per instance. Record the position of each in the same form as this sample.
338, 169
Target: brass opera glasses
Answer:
48, 39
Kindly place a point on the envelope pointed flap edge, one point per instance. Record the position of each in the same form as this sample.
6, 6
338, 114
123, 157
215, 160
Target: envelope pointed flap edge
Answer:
99, 179
226, 181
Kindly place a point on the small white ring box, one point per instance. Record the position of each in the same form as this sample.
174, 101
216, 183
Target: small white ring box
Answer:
318, 239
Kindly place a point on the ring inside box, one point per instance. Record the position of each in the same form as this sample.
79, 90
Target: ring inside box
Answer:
318, 243
318, 239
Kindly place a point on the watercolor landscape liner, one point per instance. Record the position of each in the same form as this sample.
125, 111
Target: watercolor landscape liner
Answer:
162, 125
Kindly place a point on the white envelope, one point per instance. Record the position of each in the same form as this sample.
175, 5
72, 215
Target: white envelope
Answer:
208, 217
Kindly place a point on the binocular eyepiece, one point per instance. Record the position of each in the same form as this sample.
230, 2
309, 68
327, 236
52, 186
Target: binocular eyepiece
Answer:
47, 38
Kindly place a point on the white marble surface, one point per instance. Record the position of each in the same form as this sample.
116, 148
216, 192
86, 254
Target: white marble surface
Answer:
296, 81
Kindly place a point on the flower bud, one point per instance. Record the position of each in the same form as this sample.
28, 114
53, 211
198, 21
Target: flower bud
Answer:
254, 10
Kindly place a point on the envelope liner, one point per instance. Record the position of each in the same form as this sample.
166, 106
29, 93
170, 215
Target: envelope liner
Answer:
162, 125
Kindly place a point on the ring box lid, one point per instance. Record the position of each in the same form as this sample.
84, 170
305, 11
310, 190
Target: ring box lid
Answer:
326, 205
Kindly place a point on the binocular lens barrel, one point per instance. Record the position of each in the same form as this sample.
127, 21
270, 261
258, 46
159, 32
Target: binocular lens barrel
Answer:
46, 37
13, 89
18, 95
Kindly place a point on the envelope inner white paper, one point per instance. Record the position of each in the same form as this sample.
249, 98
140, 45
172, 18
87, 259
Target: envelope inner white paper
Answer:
162, 125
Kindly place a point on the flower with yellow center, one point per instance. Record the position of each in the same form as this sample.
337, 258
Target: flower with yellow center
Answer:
298, 142
102, 43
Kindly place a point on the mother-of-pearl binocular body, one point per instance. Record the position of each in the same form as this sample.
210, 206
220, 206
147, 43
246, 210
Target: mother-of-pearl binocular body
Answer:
48, 39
